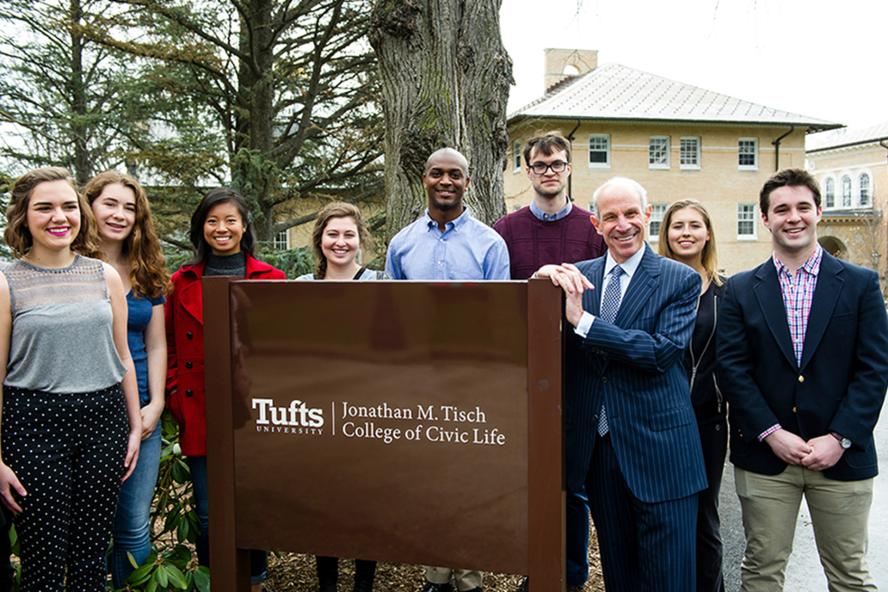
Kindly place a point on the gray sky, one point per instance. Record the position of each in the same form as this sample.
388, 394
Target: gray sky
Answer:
819, 58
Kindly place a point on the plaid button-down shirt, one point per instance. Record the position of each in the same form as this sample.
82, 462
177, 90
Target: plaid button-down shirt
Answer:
798, 293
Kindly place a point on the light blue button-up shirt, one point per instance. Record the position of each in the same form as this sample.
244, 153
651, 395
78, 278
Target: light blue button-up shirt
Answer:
466, 250
541, 215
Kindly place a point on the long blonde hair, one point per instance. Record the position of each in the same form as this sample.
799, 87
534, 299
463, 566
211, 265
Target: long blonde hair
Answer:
709, 259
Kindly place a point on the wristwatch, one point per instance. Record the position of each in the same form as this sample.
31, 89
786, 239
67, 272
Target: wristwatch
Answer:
844, 442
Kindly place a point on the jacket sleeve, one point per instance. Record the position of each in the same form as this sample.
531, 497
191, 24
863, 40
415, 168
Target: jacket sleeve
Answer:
859, 409
658, 351
169, 322
749, 408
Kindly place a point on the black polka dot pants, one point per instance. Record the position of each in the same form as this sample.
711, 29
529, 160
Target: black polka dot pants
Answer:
68, 451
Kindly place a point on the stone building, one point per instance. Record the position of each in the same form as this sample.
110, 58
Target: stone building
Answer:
678, 140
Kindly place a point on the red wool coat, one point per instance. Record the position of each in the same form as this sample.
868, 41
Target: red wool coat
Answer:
185, 350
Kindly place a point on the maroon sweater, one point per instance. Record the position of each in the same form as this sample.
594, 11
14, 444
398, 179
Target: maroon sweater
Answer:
533, 242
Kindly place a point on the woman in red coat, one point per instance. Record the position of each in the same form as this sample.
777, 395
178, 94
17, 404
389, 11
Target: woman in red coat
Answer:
223, 238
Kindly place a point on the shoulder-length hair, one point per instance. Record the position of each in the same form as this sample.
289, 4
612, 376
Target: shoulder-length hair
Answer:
336, 209
708, 256
147, 268
17, 234
215, 197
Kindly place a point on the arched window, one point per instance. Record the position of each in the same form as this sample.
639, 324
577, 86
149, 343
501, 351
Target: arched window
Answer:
830, 192
846, 191
865, 192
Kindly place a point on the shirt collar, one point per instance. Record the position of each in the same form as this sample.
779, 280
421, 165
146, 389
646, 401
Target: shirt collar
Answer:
453, 224
541, 215
811, 265
629, 265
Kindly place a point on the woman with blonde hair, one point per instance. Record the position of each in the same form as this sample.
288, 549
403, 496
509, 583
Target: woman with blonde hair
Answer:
128, 241
686, 235
71, 427
338, 236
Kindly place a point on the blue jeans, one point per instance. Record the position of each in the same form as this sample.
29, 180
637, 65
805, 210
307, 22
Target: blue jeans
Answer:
258, 559
131, 525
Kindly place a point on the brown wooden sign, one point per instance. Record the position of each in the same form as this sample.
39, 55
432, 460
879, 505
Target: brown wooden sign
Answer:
406, 422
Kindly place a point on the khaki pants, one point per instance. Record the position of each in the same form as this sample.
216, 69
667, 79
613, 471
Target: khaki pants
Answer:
465, 579
839, 515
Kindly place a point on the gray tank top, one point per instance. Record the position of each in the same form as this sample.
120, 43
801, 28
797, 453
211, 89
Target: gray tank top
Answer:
62, 339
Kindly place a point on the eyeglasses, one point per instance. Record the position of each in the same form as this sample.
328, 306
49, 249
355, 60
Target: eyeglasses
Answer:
540, 168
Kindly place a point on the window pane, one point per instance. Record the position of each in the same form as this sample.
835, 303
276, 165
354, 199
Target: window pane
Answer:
516, 155
658, 210
830, 193
599, 148
746, 153
282, 240
745, 219
658, 152
846, 191
864, 189
690, 152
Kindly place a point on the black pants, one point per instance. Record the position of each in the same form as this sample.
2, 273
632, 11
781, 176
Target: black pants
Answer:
714, 438
68, 452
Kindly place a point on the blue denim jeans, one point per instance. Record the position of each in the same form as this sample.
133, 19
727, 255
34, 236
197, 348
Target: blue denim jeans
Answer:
131, 525
258, 559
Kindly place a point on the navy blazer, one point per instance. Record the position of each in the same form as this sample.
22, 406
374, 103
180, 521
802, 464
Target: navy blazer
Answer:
839, 385
635, 366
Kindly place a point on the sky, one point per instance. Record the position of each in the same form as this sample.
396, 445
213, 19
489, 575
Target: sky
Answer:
819, 58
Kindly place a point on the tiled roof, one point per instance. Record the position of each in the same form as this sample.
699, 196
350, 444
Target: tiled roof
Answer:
613, 91
846, 136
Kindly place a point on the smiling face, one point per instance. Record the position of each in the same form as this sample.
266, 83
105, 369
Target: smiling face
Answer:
548, 185
445, 182
223, 229
53, 216
792, 218
687, 234
115, 212
340, 241
621, 220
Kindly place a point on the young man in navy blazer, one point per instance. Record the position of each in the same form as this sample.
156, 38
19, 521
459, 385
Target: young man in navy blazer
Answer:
629, 423
803, 354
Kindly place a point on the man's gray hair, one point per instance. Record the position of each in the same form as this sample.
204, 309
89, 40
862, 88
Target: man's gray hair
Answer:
624, 183
452, 153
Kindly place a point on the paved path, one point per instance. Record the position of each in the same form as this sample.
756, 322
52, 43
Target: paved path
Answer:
804, 573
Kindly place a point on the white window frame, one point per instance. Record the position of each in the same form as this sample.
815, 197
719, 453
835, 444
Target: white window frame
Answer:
280, 245
690, 166
741, 153
827, 190
868, 188
746, 212
658, 211
607, 151
659, 165
847, 191
516, 156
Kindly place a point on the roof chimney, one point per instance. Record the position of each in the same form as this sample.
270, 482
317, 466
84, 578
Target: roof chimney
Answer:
562, 64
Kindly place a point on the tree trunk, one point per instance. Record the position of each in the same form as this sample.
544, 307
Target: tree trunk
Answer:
82, 164
445, 78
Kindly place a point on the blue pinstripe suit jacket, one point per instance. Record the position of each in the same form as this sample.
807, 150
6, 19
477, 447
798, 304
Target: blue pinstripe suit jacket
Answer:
635, 366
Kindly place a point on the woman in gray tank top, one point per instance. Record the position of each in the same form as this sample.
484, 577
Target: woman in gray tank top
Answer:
71, 427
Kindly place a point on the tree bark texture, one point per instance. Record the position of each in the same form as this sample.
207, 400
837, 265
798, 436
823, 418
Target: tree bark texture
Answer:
445, 77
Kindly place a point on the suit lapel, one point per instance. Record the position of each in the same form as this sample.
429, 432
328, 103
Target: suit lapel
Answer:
643, 283
770, 299
829, 285
592, 298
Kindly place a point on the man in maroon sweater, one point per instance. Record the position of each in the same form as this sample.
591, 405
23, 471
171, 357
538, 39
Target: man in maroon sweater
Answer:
552, 229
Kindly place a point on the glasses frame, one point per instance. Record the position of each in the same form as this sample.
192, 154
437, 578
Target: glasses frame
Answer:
547, 167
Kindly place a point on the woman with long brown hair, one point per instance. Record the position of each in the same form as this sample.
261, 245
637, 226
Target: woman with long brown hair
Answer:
128, 241
686, 235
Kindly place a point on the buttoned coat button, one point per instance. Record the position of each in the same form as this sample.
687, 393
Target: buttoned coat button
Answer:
188, 364
189, 393
801, 378
189, 335
795, 409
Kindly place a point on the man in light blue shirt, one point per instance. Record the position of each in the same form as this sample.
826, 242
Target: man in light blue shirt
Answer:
447, 243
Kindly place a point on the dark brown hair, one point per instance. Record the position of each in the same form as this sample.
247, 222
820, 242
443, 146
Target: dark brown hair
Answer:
708, 256
147, 269
547, 144
337, 209
788, 178
17, 235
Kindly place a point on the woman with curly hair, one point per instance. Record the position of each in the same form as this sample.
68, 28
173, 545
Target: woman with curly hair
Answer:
129, 243
71, 426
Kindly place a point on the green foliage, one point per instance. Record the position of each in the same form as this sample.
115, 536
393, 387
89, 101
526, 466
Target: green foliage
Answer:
293, 262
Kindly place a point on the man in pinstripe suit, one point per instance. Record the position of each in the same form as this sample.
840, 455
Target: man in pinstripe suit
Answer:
629, 424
